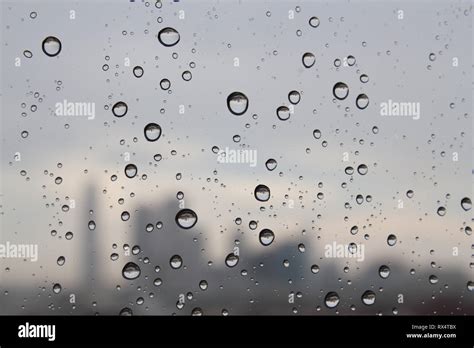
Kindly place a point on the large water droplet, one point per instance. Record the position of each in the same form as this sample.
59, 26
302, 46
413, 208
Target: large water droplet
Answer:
271, 164
120, 109
283, 113
340, 90
391, 239
266, 237
168, 37
165, 84
308, 59
294, 97
152, 132
433, 279
138, 71
176, 261
314, 22
231, 260
51, 46
130, 170
331, 300
384, 271
237, 103
368, 298
362, 169
262, 193
441, 211
466, 203
131, 271
362, 101
186, 218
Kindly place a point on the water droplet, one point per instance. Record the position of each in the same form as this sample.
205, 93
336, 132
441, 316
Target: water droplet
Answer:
470, 285
237, 103
384, 271
168, 37
391, 239
349, 170
432, 57
294, 97
368, 298
266, 237
314, 269
57, 288
61, 260
340, 90
131, 271
308, 59
350, 60
187, 76
410, 193
130, 170
362, 101
433, 279
126, 312
441, 211
186, 218
51, 46
364, 78
176, 261
362, 169
314, 22
120, 109
165, 84
231, 260
91, 225
125, 216
331, 300
152, 132
27, 54
138, 71
262, 193
203, 285
283, 113
466, 203
271, 164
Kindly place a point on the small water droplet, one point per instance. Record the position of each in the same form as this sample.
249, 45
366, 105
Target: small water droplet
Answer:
120, 109
294, 97
391, 239
384, 271
266, 237
362, 101
308, 59
130, 170
176, 261
283, 113
466, 203
152, 132
138, 71
314, 22
368, 298
331, 300
262, 193
271, 164
231, 260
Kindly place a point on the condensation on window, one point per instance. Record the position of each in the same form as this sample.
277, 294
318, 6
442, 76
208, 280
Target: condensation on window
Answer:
236, 157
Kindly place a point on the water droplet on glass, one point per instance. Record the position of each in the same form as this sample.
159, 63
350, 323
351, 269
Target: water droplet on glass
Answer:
294, 97
57, 288
165, 84
91, 225
231, 260
27, 54
391, 239
362, 101
266, 237
271, 164
362, 169
433, 279
384, 271
119, 109
237, 103
152, 132
51, 46
308, 59
314, 269
340, 90
466, 203
314, 22
410, 193
368, 298
441, 211
186, 218
176, 261
138, 71
331, 300
130, 170
187, 76
262, 193
283, 113
131, 271
168, 37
